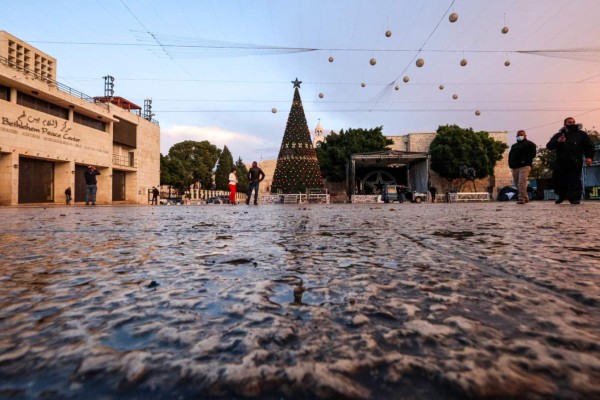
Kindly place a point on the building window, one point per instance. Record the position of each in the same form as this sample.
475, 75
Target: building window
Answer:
89, 121
4, 93
42, 105
125, 133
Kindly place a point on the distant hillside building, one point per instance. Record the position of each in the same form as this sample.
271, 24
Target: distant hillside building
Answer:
50, 133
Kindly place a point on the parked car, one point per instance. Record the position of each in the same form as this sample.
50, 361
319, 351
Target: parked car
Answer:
220, 199
391, 193
172, 201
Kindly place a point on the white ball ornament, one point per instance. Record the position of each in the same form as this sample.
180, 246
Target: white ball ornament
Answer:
330, 59
478, 113
441, 87
388, 33
321, 95
453, 17
397, 87
463, 62
373, 61
363, 84
505, 30
455, 96
406, 79
420, 62
506, 63
273, 110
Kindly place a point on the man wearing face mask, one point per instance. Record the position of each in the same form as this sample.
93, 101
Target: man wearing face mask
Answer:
571, 145
520, 158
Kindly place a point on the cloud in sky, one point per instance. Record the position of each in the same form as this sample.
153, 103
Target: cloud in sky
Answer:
243, 145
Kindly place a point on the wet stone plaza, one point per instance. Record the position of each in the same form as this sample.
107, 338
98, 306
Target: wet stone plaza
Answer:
379, 301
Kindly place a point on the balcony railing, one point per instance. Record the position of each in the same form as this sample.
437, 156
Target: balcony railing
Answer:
60, 86
124, 161
65, 88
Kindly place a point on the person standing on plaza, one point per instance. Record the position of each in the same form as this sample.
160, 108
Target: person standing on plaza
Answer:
155, 194
433, 191
90, 185
233, 180
520, 158
68, 195
255, 176
571, 145
401, 193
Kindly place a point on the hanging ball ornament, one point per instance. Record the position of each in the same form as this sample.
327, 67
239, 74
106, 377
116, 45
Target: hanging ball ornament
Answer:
406, 79
330, 59
397, 87
455, 96
273, 110
373, 61
321, 95
463, 62
388, 33
453, 17
478, 113
420, 62
363, 84
441, 87
506, 63
505, 30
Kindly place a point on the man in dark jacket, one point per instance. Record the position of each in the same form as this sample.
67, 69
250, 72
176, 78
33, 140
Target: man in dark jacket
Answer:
255, 176
520, 158
155, 194
90, 185
571, 145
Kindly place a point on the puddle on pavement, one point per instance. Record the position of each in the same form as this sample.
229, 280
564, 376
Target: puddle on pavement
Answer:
329, 302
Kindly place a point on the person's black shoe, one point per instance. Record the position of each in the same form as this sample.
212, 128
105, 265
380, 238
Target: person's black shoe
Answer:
559, 200
575, 201
255, 203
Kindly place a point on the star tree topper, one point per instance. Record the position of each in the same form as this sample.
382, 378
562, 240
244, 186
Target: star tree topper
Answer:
297, 83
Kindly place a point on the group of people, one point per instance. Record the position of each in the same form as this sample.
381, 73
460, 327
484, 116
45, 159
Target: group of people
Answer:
573, 147
255, 176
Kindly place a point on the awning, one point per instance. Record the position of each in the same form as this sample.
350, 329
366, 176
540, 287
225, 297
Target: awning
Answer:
417, 164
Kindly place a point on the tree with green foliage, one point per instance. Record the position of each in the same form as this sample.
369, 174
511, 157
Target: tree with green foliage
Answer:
242, 175
172, 172
223, 169
455, 149
594, 135
198, 160
334, 153
542, 164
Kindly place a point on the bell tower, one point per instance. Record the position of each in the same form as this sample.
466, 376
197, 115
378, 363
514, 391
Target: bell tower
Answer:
319, 138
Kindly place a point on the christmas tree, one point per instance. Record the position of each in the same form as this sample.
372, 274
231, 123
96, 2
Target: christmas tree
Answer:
297, 165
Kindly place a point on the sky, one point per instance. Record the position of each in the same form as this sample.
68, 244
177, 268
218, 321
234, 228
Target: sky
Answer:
216, 69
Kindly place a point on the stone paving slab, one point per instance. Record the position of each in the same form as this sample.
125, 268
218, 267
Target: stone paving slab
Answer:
410, 301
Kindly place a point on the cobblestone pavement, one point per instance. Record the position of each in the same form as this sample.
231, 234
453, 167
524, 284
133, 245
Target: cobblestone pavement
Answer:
410, 301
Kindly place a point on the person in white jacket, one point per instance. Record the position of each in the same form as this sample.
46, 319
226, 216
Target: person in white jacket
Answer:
233, 180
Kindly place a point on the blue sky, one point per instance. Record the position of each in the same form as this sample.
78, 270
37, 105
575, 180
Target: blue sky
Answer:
210, 70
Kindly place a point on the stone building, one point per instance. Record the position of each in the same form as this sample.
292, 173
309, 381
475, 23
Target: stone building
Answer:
419, 142
50, 133
319, 136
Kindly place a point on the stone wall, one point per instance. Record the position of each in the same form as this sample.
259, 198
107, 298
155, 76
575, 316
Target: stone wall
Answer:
420, 142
